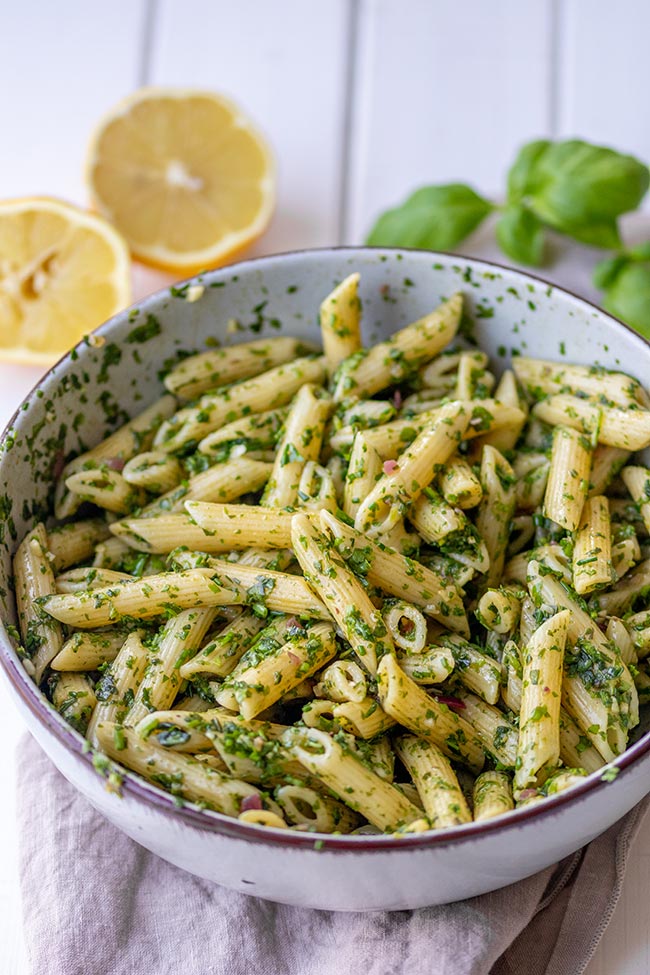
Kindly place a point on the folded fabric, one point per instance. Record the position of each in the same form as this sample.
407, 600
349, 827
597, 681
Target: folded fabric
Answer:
96, 903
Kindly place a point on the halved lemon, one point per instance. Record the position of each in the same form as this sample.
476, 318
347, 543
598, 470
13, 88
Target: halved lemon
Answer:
62, 273
183, 175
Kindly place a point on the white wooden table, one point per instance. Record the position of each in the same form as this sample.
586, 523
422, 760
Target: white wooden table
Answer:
363, 101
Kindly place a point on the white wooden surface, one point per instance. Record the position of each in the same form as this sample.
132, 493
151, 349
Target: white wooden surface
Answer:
363, 100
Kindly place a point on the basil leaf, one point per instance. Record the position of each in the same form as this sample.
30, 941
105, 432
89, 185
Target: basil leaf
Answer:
604, 235
606, 272
432, 218
628, 295
521, 176
520, 235
573, 185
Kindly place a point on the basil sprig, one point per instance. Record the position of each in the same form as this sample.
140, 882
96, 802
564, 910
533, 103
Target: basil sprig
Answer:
572, 187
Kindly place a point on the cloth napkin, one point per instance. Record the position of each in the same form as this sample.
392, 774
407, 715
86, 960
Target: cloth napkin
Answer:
96, 903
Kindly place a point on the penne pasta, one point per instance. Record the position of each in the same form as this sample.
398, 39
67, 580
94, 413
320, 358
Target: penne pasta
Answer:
436, 782
568, 478
340, 315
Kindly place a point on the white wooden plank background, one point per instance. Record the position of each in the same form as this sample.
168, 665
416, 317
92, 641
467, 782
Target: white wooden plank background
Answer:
363, 100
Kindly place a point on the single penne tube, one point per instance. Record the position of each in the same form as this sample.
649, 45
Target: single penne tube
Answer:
365, 413
218, 367
83, 578
362, 790
406, 625
268, 590
478, 672
625, 554
496, 509
432, 666
538, 753
180, 774
471, 375
75, 542
74, 698
116, 689
268, 390
495, 733
400, 486
492, 795
542, 376
180, 639
153, 470
343, 680
316, 489
179, 731
576, 750
568, 478
637, 481
499, 609
129, 440
41, 638
531, 485
414, 709
341, 592
628, 429
435, 780
617, 632
606, 462
308, 809
223, 482
208, 527
434, 518
262, 817
340, 317
140, 599
593, 717
511, 690
364, 470
616, 601
300, 442
363, 719
592, 549
459, 484
259, 685
547, 590
365, 373
260, 429
638, 627
88, 651
106, 488
221, 654
110, 553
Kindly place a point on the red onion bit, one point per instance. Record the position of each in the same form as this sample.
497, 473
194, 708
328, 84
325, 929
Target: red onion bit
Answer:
253, 801
294, 658
527, 794
114, 463
390, 466
451, 702
397, 399
58, 465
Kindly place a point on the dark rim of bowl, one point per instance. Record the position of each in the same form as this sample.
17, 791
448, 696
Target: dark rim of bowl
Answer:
41, 708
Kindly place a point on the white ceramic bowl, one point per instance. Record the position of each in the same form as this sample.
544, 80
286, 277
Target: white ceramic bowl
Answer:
508, 312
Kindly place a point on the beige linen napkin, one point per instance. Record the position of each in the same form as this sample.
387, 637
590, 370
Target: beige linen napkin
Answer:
96, 903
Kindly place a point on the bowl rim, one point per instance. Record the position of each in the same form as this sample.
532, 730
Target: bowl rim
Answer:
210, 821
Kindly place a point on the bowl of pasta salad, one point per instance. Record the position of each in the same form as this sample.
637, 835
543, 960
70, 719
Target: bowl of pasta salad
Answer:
326, 576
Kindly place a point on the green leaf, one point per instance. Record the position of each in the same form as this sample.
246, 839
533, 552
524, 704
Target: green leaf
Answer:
521, 177
581, 189
606, 271
433, 218
520, 235
628, 295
